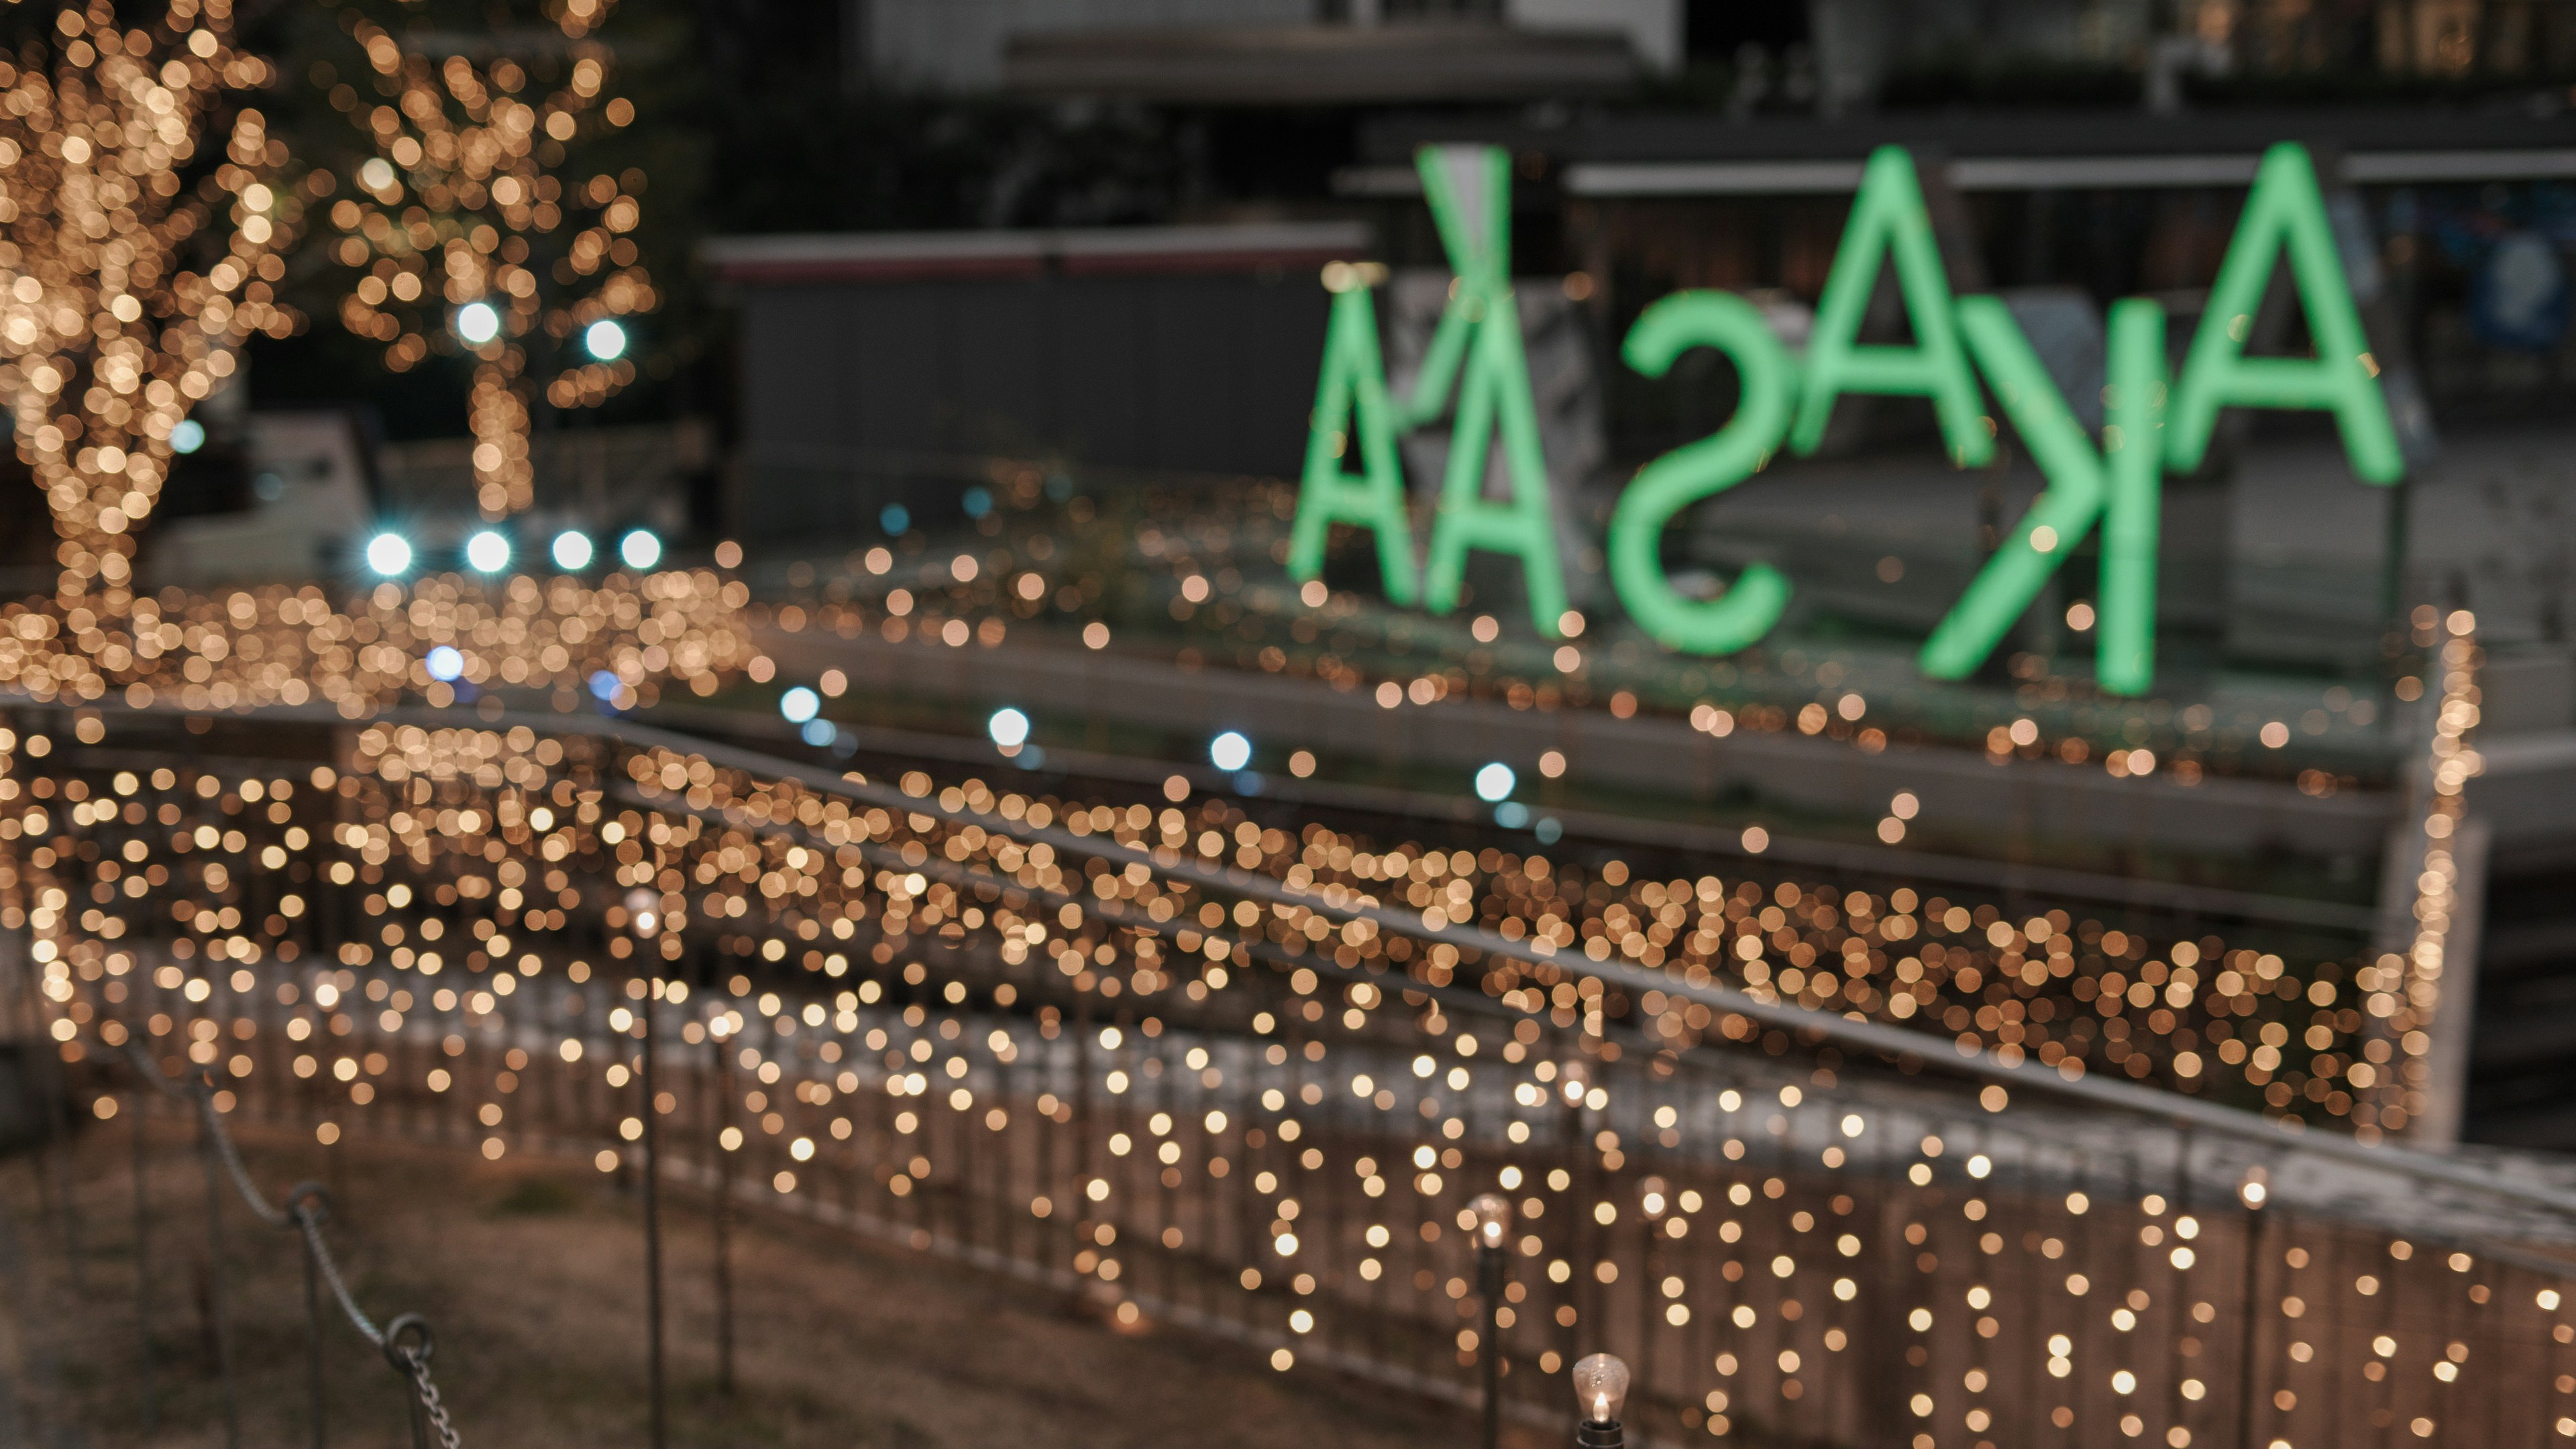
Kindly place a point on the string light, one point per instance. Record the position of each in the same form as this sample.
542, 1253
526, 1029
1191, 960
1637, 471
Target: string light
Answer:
275, 645
461, 856
1198, 582
2404, 992
133, 260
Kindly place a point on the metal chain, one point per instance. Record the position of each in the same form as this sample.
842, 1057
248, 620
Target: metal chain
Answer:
301, 1215
429, 1400
330, 1266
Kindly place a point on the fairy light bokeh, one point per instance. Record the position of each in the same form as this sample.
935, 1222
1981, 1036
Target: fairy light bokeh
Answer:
474, 194
1194, 574
1207, 1057
1161, 1046
142, 229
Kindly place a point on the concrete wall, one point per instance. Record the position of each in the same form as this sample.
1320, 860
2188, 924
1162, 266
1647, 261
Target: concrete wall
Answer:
1653, 27
1181, 373
957, 44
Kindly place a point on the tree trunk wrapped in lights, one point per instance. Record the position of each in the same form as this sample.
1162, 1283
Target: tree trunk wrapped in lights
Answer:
133, 263
475, 228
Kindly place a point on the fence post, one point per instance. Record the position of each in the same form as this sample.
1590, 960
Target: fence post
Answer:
2250, 1317
308, 1203
143, 1273
653, 1219
723, 1218
202, 1092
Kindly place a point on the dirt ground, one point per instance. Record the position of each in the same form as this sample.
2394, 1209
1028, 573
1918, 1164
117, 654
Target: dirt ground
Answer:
532, 1273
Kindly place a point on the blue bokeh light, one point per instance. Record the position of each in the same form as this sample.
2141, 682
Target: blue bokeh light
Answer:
1230, 751
487, 552
389, 554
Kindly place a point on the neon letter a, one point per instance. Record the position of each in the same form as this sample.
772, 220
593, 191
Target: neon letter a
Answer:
2285, 212
1353, 413
1888, 219
1469, 188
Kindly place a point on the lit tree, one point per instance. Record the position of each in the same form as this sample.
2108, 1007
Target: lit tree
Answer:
134, 257
474, 228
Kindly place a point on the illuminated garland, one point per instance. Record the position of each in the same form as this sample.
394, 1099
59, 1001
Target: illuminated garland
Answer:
619, 639
2406, 991
2063, 992
132, 264
359, 945
1198, 567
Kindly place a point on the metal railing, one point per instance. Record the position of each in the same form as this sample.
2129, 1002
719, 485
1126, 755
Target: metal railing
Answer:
949, 1026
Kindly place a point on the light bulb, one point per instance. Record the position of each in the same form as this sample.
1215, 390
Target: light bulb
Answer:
640, 549
1493, 1214
487, 552
1230, 751
643, 908
478, 323
388, 554
1601, 1387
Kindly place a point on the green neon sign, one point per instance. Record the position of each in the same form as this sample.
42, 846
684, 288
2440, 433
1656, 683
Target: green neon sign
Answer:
1962, 349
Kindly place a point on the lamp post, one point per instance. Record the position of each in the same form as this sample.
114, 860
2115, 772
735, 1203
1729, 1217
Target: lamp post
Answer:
1493, 1214
644, 917
1601, 1389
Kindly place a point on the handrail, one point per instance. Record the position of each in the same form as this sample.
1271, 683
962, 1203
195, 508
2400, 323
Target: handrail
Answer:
1872, 1038
2002, 878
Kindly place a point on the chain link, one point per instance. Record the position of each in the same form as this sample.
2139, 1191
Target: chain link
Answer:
429, 1400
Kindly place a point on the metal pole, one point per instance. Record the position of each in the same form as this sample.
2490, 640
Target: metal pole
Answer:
2249, 1320
653, 1220
55, 1186
724, 1222
143, 1274
1489, 1273
215, 1266
313, 1343
308, 1207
